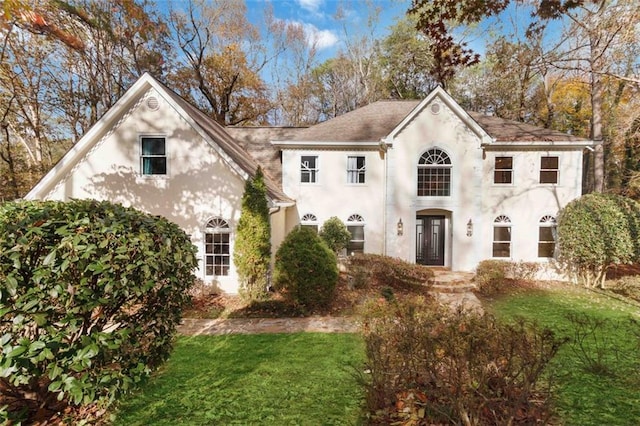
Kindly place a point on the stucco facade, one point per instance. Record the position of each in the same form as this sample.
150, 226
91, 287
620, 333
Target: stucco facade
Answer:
424, 181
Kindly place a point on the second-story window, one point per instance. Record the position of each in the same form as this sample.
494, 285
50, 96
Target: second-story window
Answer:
549, 170
153, 158
356, 169
434, 174
309, 169
503, 173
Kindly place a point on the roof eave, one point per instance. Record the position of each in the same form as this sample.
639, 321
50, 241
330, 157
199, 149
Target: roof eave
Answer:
326, 144
502, 145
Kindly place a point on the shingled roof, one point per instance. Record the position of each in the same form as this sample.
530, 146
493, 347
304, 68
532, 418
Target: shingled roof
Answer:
230, 146
257, 142
373, 122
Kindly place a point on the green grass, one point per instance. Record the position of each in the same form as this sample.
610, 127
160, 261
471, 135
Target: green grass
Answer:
266, 379
583, 397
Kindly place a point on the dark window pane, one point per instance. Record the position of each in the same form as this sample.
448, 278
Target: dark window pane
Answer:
548, 176
154, 165
501, 249
546, 249
502, 176
501, 233
357, 232
153, 146
504, 163
549, 163
546, 233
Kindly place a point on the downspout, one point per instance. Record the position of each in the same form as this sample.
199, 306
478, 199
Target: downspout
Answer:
383, 150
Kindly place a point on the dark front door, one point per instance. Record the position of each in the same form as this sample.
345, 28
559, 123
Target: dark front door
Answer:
430, 240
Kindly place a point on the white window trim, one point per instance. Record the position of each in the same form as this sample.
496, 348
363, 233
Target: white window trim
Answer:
310, 219
540, 169
548, 221
357, 220
166, 155
317, 169
513, 172
502, 221
217, 230
435, 166
364, 170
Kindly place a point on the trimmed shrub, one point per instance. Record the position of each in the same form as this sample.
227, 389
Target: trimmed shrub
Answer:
91, 296
306, 269
491, 276
596, 231
429, 365
252, 248
335, 234
387, 271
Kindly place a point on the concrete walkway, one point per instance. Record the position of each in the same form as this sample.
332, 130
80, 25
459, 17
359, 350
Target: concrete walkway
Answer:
453, 289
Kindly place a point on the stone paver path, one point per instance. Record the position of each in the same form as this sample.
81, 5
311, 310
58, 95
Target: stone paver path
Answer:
450, 288
196, 327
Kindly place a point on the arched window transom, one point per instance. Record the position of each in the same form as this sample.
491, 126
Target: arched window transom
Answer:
434, 174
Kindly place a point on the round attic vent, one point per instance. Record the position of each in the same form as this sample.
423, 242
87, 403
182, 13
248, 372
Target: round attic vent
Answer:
435, 108
152, 103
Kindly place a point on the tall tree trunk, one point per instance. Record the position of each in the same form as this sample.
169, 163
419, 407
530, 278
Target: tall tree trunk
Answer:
596, 123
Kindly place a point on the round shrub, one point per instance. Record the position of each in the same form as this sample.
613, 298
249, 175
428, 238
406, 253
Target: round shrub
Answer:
596, 231
306, 269
335, 234
91, 295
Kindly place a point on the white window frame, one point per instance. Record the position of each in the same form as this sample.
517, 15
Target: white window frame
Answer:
547, 170
353, 221
217, 226
496, 170
313, 172
546, 222
502, 222
144, 156
309, 220
355, 173
435, 160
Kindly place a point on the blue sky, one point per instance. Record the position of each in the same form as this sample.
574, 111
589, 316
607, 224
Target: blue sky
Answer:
318, 17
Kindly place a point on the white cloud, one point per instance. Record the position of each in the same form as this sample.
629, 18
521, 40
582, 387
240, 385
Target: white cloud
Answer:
311, 5
323, 39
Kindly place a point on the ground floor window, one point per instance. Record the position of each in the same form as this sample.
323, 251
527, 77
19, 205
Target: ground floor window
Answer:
217, 247
310, 221
355, 225
502, 236
547, 236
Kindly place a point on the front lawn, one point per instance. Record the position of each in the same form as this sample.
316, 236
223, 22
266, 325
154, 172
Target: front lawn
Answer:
609, 396
266, 379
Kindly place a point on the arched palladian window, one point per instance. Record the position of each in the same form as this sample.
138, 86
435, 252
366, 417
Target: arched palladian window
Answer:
547, 236
502, 236
309, 220
217, 248
434, 174
355, 225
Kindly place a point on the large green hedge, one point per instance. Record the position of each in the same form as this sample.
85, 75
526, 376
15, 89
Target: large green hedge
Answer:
90, 297
596, 231
306, 269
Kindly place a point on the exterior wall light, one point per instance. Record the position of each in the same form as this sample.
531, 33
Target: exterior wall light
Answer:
400, 227
469, 228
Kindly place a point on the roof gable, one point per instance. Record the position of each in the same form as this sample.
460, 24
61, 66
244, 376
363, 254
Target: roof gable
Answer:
440, 94
239, 160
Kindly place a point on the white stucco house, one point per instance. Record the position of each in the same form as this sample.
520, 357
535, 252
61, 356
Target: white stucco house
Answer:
425, 181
